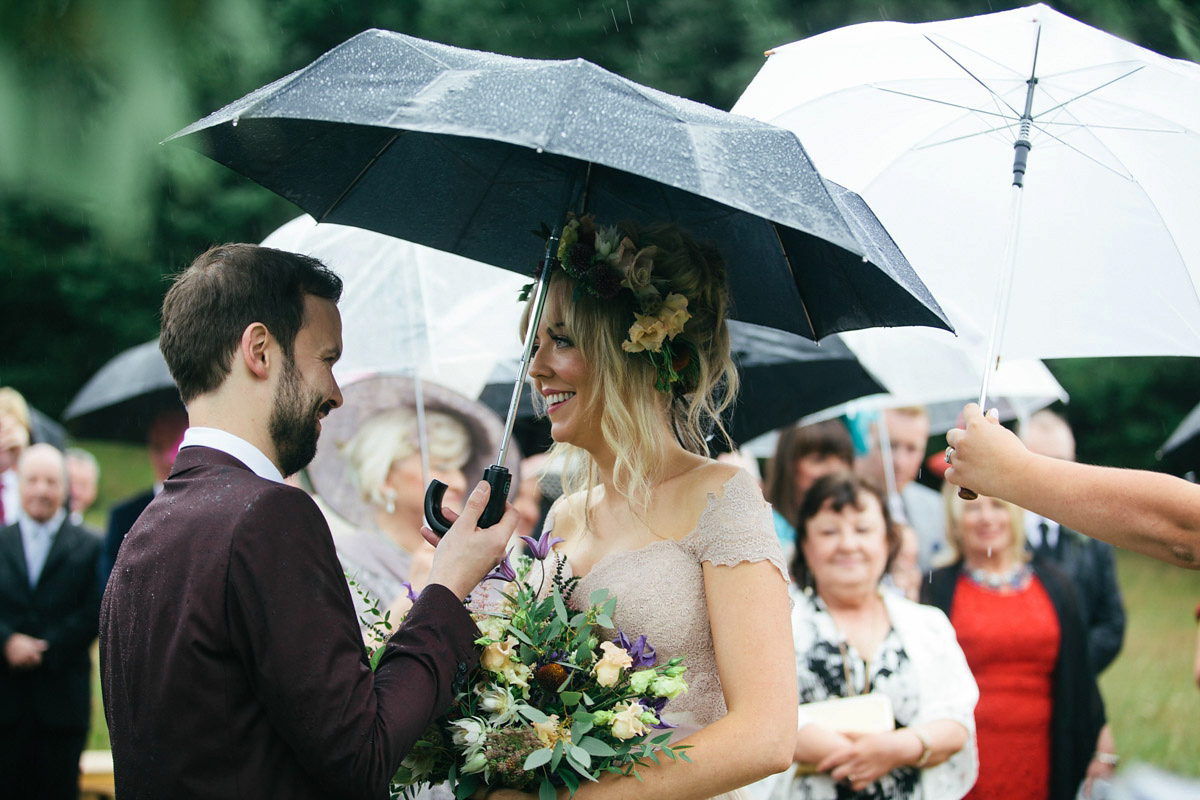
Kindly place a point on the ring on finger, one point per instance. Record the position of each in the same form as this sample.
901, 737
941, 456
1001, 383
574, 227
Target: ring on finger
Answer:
949, 453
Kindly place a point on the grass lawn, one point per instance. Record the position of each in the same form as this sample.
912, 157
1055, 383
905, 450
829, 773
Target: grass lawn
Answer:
1152, 700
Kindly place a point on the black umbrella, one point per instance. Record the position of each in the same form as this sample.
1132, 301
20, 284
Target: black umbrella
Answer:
124, 397
467, 151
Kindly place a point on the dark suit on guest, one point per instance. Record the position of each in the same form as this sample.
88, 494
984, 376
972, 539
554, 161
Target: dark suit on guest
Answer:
45, 711
120, 519
1090, 565
231, 659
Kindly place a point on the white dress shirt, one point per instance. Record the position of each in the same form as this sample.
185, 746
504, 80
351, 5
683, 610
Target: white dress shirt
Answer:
1033, 530
235, 446
36, 539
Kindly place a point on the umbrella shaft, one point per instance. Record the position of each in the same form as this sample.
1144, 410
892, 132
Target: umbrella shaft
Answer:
535, 317
1003, 294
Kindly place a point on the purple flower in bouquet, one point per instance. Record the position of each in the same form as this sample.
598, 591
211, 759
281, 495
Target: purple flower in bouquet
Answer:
541, 546
503, 571
657, 704
640, 651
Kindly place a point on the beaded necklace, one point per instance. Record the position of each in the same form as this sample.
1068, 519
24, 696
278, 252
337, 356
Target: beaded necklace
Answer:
1015, 577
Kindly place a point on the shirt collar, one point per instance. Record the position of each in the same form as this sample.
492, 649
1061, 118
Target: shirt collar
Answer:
235, 446
30, 526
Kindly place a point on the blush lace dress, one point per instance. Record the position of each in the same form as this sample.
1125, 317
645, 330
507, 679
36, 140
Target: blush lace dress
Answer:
660, 594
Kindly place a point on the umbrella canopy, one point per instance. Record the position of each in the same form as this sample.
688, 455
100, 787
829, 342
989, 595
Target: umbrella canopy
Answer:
467, 151
124, 397
923, 367
394, 312
923, 119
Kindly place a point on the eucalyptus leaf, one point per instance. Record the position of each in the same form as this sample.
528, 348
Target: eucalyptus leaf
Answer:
530, 713
546, 790
570, 698
598, 597
596, 747
537, 758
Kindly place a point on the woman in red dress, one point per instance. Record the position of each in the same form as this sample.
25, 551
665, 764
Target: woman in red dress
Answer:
1039, 710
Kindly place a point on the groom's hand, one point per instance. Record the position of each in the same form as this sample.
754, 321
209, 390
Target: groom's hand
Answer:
466, 553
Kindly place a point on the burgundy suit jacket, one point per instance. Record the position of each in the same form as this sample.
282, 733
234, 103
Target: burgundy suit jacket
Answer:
231, 660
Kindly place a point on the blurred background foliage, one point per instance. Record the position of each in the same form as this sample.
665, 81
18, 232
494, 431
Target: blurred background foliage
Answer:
94, 213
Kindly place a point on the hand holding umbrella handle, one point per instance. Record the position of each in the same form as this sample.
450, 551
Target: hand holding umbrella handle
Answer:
499, 478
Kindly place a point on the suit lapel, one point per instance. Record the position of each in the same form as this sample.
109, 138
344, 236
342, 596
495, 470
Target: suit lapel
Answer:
13, 554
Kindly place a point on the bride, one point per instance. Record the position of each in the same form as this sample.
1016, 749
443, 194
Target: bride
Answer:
632, 361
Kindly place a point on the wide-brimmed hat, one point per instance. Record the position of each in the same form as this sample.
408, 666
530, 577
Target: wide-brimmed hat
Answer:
330, 473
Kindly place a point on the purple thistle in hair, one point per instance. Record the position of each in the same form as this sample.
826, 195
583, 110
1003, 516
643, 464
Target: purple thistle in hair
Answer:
640, 651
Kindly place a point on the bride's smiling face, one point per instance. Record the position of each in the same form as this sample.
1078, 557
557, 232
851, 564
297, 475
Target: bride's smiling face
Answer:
564, 379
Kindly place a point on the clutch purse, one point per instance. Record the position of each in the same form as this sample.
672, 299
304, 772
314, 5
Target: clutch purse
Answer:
860, 714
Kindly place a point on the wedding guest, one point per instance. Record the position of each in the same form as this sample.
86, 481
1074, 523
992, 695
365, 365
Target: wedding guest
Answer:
632, 360
371, 478
48, 613
803, 453
905, 433
15, 429
853, 640
1090, 565
231, 661
1147, 512
83, 479
1040, 713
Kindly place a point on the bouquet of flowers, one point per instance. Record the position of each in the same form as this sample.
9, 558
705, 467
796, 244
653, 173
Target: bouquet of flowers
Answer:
550, 703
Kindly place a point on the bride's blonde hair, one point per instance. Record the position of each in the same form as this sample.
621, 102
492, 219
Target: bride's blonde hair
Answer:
623, 384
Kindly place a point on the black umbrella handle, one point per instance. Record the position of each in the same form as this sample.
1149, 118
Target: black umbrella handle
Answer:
499, 478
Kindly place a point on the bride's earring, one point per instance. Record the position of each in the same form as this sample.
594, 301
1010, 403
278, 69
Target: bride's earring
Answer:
389, 500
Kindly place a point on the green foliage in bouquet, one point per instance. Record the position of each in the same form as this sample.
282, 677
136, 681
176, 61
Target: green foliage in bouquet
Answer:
550, 703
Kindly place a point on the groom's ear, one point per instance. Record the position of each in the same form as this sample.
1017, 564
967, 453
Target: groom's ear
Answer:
255, 350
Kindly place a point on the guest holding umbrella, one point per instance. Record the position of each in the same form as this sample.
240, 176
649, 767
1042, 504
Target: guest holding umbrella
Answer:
1039, 712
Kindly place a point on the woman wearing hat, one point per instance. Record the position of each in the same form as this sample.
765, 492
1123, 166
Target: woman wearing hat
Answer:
373, 481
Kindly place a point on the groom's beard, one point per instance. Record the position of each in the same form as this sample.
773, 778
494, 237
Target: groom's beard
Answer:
294, 426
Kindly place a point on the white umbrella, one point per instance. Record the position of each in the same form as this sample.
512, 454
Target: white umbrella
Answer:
938, 370
923, 121
410, 308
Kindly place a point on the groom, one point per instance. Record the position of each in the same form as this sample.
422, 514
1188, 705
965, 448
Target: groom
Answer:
231, 660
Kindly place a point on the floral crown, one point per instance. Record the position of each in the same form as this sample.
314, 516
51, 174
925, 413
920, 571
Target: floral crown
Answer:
604, 264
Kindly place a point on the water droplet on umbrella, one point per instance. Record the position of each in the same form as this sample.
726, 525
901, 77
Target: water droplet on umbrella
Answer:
235, 121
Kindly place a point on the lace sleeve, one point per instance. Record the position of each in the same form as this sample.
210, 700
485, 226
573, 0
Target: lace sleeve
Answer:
738, 527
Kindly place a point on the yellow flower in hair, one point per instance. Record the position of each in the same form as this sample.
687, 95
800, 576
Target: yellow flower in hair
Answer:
646, 333
674, 314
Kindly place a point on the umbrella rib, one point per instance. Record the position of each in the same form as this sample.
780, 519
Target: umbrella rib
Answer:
1090, 91
972, 109
973, 76
350, 186
788, 261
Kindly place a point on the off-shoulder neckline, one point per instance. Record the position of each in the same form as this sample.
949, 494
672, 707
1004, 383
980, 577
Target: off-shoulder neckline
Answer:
709, 506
